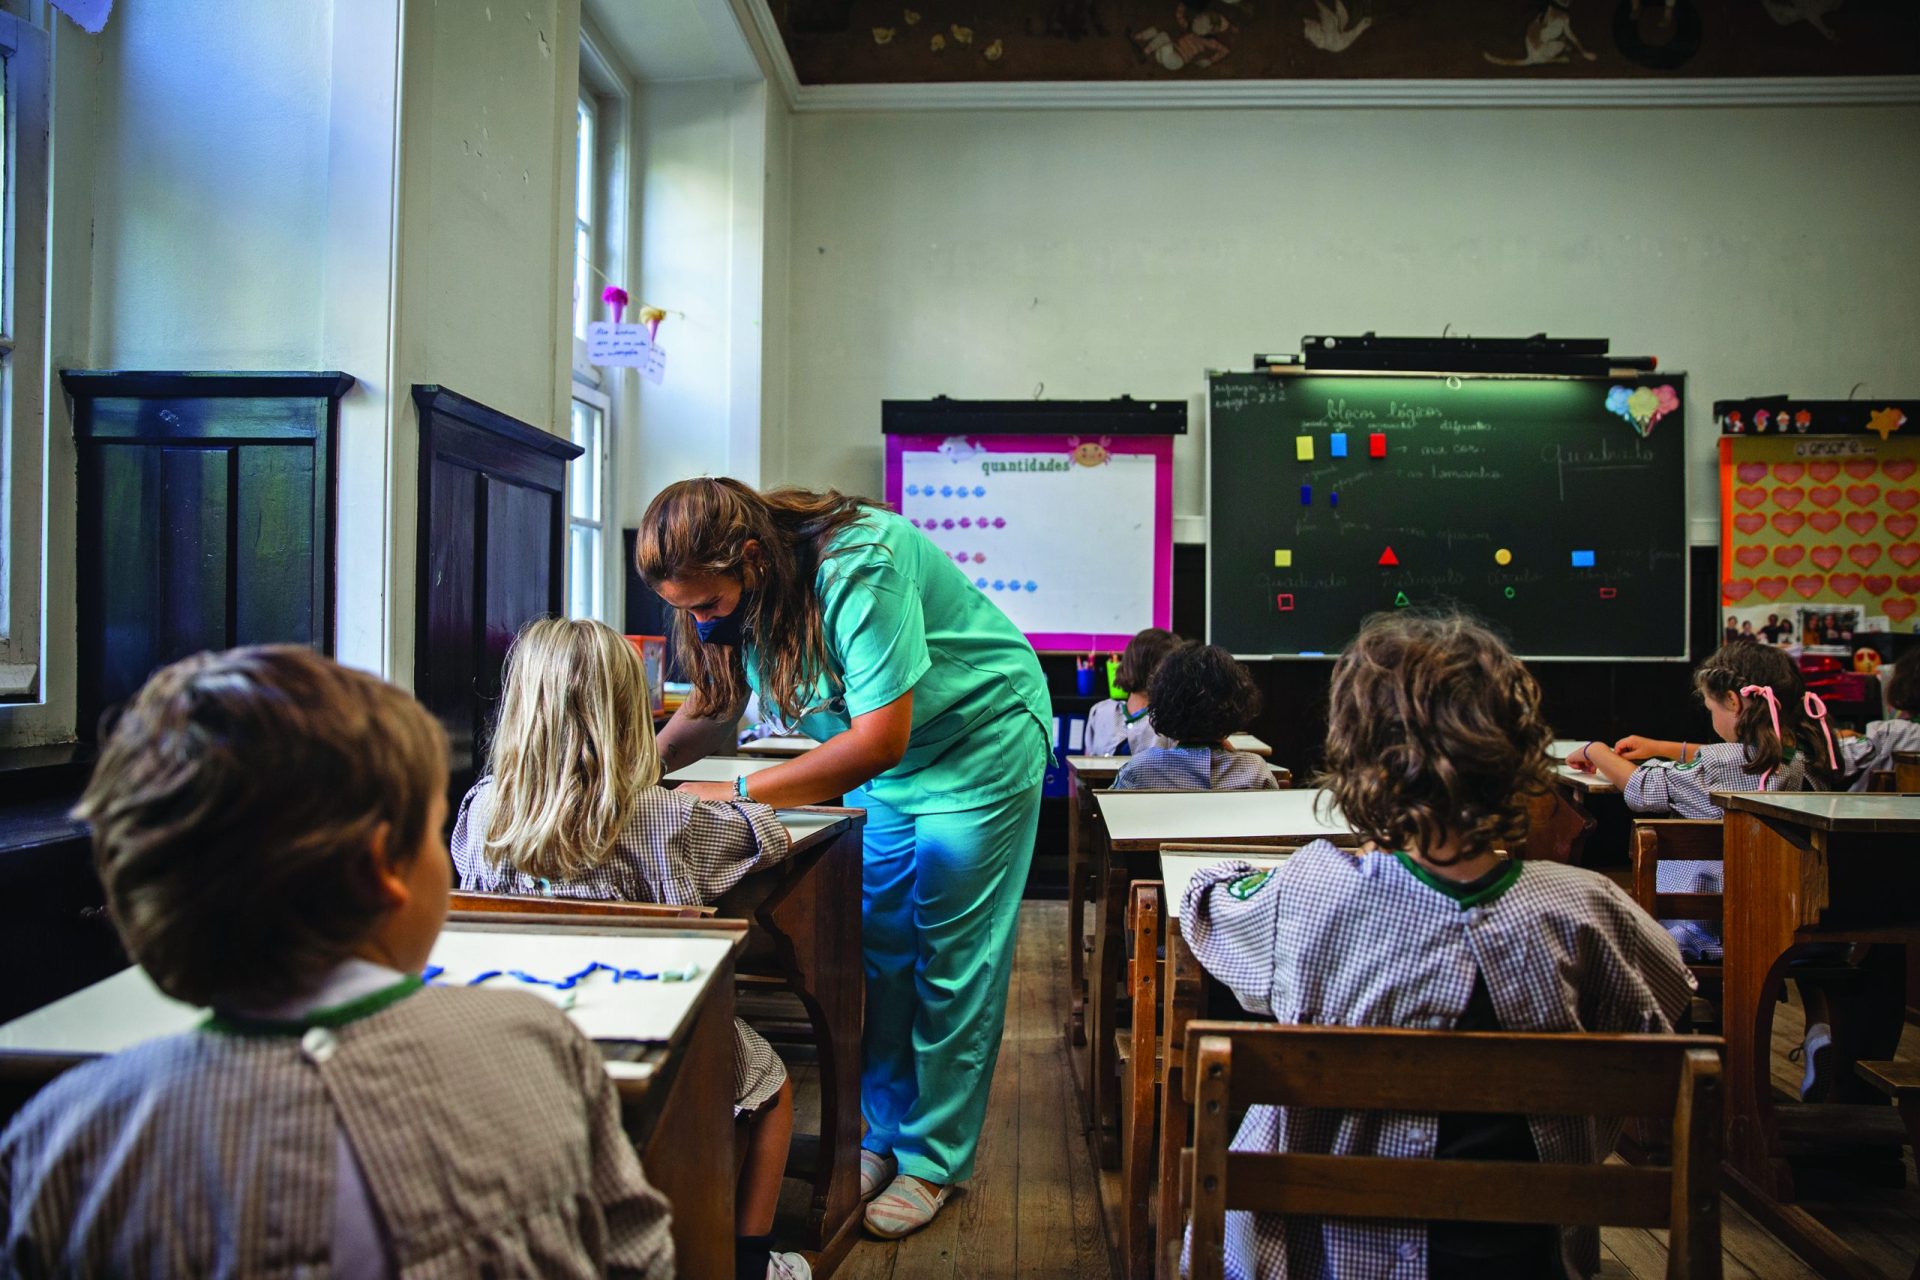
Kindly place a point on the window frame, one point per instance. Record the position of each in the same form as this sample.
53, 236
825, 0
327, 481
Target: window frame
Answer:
23, 371
600, 402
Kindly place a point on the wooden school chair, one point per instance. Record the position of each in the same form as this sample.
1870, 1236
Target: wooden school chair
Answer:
1658, 840
1168, 991
1231, 1066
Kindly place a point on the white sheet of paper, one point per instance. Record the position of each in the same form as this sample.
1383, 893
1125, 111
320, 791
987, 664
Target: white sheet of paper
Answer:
1076, 733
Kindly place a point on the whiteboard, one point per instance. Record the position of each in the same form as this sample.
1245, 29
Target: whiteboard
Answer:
1072, 538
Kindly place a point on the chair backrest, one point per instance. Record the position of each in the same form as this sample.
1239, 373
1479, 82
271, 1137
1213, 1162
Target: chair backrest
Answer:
1884, 780
1554, 826
1232, 1065
532, 905
1658, 840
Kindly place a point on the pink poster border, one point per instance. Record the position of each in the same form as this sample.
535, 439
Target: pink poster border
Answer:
1159, 448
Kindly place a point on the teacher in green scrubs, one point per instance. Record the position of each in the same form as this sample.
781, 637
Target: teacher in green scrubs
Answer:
932, 714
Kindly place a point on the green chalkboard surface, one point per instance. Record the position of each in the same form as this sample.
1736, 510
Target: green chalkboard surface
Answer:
1553, 508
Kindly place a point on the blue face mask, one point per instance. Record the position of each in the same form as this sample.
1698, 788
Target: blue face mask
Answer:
723, 630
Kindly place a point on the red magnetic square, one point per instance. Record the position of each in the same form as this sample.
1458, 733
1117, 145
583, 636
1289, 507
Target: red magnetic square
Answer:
1285, 602
1377, 444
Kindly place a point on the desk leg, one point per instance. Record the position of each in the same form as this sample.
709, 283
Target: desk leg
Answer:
1184, 992
1773, 887
689, 1154
1076, 918
1103, 1004
1136, 1153
814, 922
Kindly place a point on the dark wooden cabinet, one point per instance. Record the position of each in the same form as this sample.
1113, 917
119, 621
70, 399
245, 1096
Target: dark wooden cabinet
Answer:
491, 557
205, 518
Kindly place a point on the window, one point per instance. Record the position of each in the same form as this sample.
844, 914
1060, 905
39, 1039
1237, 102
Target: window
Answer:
23, 427
586, 508
584, 195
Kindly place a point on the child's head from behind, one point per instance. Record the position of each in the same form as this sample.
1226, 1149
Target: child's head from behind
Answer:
1200, 694
1903, 687
572, 750
1142, 658
1748, 719
262, 814
1434, 736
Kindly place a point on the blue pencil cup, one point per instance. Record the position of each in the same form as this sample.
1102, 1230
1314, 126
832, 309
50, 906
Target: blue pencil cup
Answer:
1083, 680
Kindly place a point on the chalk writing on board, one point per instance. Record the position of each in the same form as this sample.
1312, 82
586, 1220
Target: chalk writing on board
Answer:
1231, 397
1606, 456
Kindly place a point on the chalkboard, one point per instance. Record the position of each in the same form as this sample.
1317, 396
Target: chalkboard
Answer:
1553, 508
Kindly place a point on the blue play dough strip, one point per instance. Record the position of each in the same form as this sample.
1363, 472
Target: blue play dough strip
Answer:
567, 983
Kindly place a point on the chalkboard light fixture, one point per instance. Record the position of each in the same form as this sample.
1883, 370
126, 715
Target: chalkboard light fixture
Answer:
1122, 416
1538, 355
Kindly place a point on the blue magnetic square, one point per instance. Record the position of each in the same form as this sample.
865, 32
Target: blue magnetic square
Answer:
1337, 444
1306, 495
1583, 559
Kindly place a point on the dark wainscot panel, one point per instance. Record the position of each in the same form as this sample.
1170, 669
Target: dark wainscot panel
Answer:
491, 556
206, 509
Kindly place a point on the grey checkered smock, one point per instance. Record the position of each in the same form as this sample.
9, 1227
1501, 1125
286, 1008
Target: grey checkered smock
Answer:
1875, 748
483, 1122
1661, 789
1194, 769
675, 850
1338, 938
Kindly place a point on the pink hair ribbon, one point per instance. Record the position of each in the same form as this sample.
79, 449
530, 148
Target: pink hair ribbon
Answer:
1817, 712
1773, 709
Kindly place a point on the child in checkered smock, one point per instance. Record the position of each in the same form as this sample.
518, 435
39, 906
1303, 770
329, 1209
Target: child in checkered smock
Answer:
1124, 726
1434, 742
1200, 695
1874, 749
573, 808
266, 824
1773, 737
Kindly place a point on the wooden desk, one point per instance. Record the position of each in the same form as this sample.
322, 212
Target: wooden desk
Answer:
782, 748
1802, 867
720, 769
1129, 828
676, 1101
1247, 742
1560, 822
806, 933
1085, 774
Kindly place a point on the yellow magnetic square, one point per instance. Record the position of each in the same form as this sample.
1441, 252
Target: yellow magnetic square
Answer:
1303, 448
1283, 559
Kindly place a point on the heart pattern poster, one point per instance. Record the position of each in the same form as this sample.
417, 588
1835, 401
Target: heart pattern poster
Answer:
1813, 524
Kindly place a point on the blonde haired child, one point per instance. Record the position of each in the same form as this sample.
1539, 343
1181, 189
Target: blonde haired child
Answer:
573, 808
267, 827
1434, 742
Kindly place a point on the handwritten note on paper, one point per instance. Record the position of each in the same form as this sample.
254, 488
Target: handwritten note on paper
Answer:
627, 346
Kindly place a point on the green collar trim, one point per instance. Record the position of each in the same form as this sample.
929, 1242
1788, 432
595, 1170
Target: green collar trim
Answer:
338, 1015
1458, 892
1135, 717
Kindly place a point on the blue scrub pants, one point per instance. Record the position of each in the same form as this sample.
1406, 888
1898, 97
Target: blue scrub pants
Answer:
940, 901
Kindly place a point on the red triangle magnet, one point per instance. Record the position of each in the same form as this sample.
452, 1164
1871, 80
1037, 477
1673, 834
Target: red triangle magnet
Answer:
1387, 557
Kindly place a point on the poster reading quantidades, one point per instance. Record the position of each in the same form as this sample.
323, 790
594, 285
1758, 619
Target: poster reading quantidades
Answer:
1071, 537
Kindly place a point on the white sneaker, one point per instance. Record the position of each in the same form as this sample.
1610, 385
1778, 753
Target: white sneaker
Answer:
876, 1171
1819, 1040
788, 1266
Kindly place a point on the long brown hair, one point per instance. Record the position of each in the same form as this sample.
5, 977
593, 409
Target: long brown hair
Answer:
699, 528
1434, 734
1740, 663
573, 749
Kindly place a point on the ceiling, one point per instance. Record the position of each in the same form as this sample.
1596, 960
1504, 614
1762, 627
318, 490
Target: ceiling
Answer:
844, 42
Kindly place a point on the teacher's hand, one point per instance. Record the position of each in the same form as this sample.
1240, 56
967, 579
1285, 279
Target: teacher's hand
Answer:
716, 791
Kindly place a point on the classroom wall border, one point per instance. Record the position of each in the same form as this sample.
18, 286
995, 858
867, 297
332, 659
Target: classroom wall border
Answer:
1757, 91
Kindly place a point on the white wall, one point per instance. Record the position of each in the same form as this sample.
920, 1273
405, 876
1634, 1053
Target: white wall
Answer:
209, 186
701, 161
1106, 253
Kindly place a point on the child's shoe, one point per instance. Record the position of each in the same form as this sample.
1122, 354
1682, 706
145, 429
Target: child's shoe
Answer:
1819, 1040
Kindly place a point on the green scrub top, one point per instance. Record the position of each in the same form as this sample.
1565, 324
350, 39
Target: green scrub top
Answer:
898, 614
